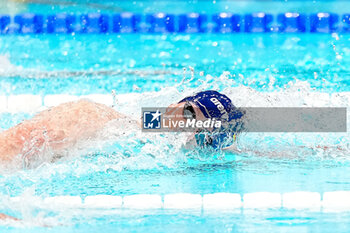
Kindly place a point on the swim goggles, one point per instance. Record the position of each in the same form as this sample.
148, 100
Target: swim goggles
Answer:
188, 111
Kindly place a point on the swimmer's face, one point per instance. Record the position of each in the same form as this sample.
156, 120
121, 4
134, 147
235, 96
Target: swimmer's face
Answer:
175, 112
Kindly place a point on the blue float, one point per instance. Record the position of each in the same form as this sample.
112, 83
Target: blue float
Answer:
291, 22
191, 23
226, 23
5, 21
168, 23
346, 23
323, 22
60, 23
258, 22
94, 23
29, 23
125, 22
161, 23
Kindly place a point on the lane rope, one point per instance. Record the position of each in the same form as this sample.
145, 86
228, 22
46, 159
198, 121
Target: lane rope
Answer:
313, 201
126, 22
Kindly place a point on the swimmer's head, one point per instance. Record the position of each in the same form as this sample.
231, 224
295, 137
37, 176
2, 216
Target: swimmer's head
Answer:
209, 105
212, 105
206, 105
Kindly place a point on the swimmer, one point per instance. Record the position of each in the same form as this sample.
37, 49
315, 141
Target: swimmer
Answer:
60, 128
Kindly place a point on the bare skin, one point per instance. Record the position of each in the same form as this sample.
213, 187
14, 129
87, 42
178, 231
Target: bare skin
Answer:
58, 127
6, 217
61, 127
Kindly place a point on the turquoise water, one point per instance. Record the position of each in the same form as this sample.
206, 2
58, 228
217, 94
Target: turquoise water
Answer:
252, 69
139, 64
179, 6
50, 64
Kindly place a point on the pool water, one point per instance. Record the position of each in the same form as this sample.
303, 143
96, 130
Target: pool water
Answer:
261, 70
49, 64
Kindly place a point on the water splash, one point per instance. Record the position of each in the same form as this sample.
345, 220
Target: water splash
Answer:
7, 67
122, 147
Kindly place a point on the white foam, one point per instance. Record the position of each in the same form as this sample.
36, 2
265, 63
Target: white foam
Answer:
302, 200
182, 201
143, 201
54, 100
3, 103
336, 201
103, 201
317, 99
222, 201
262, 200
6, 67
24, 103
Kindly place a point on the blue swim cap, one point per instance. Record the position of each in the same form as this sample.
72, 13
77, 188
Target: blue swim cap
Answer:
214, 105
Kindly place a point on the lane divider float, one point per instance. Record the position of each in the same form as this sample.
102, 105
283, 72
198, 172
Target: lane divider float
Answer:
126, 22
336, 201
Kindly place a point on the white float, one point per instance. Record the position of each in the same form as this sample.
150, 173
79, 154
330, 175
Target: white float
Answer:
143, 201
63, 201
24, 103
99, 98
302, 200
262, 200
54, 100
103, 201
337, 201
182, 201
222, 201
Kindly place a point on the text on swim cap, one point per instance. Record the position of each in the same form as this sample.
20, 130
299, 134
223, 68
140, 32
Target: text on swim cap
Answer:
218, 105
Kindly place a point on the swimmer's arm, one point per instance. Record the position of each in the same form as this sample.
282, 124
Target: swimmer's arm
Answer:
59, 127
11, 142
